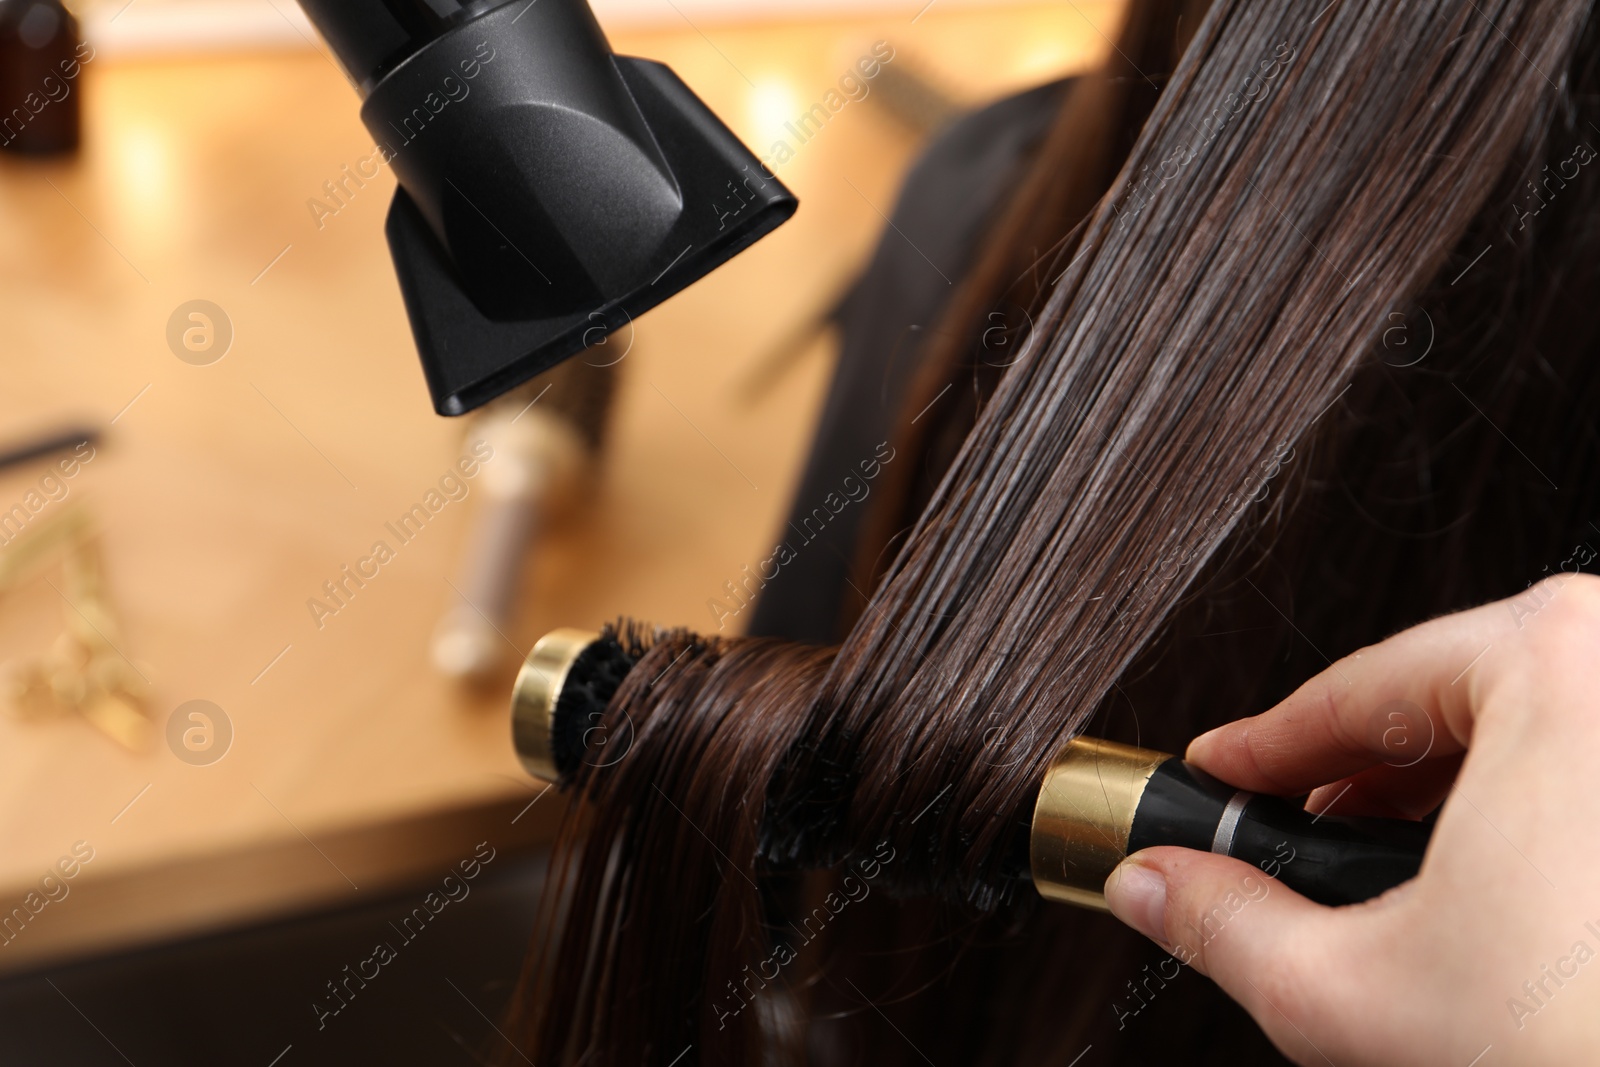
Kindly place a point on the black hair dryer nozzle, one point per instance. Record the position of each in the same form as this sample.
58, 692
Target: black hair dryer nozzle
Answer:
550, 190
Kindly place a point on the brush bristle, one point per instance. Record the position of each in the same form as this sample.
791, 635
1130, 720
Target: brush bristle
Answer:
590, 684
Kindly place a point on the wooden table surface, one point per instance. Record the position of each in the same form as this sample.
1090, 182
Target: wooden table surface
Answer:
228, 493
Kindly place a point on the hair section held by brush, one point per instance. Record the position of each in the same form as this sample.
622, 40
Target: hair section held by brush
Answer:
1170, 446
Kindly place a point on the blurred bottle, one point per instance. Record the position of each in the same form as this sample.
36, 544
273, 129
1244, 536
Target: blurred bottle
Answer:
547, 436
41, 56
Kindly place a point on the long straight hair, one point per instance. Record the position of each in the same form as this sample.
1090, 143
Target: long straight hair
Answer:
1209, 424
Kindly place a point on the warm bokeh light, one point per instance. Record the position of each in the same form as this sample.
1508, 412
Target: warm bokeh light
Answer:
770, 104
144, 189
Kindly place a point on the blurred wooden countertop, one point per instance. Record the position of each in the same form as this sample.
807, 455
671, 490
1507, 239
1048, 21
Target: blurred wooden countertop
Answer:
229, 493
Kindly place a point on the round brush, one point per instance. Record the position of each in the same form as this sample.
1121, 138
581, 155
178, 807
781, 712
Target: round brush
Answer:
1099, 801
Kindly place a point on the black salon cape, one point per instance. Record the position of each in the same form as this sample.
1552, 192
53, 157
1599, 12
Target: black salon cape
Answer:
949, 198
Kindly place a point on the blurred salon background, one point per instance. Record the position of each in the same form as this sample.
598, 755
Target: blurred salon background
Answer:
241, 745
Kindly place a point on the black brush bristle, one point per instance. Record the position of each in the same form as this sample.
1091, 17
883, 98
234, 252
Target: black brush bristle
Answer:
590, 684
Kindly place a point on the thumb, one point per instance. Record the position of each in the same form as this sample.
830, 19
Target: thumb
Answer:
1281, 957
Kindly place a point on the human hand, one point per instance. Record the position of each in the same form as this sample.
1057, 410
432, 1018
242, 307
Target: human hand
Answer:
1488, 956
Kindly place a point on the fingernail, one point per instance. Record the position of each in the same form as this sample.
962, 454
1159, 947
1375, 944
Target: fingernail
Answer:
1203, 740
1138, 896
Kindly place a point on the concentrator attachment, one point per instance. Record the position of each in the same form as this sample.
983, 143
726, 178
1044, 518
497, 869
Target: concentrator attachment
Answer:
550, 190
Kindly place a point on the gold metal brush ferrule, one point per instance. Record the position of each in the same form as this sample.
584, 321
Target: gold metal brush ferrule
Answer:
534, 696
1083, 816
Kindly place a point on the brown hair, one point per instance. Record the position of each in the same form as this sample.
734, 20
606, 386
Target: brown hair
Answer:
1204, 436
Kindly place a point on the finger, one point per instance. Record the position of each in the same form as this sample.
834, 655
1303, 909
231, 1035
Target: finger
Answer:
1393, 791
1412, 693
1290, 963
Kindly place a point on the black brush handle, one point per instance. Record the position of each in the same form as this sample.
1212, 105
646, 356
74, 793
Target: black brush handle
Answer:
1330, 859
